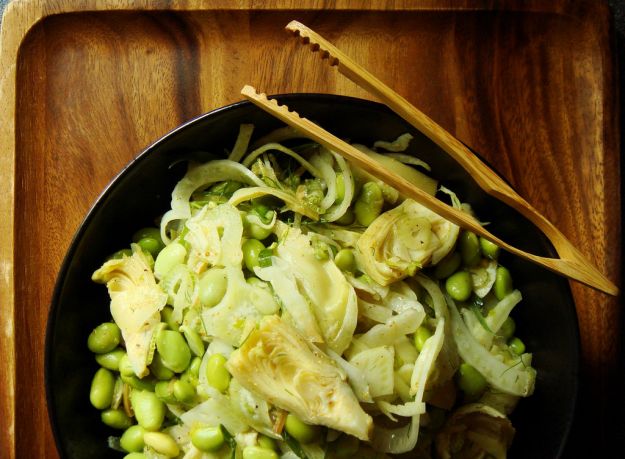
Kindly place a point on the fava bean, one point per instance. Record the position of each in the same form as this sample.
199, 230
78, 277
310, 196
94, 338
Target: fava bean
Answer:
102, 387
459, 286
517, 346
132, 439
104, 338
164, 390
217, 374
254, 230
251, 250
159, 370
369, 204
168, 258
149, 410
302, 432
173, 350
161, 443
196, 345
212, 286
167, 316
110, 360
489, 249
470, 381
507, 328
503, 283
345, 260
256, 452
267, 442
116, 419
447, 266
421, 336
345, 446
469, 248
183, 391
208, 439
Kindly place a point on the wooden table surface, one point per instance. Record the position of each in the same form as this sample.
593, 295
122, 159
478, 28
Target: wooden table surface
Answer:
87, 84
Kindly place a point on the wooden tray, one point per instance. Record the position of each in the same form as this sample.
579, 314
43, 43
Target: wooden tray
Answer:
87, 84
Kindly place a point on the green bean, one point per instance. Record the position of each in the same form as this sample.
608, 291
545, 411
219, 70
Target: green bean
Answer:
161, 443
158, 368
111, 359
104, 338
132, 439
116, 419
217, 373
345, 260
168, 258
266, 442
516, 345
503, 283
208, 439
347, 218
507, 328
149, 410
164, 390
469, 248
421, 336
447, 266
102, 387
183, 391
251, 250
125, 368
167, 316
459, 286
369, 204
193, 340
174, 350
256, 452
470, 381
119, 254
302, 432
345, 446
135, 456
489, 249
213, 285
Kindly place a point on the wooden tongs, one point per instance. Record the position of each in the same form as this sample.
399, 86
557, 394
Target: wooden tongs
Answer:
571, 264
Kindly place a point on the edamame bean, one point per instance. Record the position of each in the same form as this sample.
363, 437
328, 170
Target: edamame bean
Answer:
469, 248
149, 410
369, 204
136, 383
347, 218
193, 340
148, 231
208, 439
120, 254
102, 387
150, 245
183, 391
470, 381
173, 350
421, 336
132, 439
267, 442
110, 360
213, 284
135, 456
161, 443
104, 338
345, 446
507, 328
489, 249
251, 250
459, 286
254, 230
302, 432
116, 419
216, 372
194, 367
345, 260
340, 188
516, 345
168, 258
447, 266
256, 452
164, 390
503, 283
125, 368
159, 370
167, 316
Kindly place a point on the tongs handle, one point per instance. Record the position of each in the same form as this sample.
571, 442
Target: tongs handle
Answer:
572, 263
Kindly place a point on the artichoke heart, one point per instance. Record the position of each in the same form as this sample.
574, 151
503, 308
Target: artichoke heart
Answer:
281, 366
136, 300
475, 430
403, 240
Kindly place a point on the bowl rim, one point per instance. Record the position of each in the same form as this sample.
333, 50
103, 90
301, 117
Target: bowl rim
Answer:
134, 162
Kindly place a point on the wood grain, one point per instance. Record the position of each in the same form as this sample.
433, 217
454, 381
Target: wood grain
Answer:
83, 93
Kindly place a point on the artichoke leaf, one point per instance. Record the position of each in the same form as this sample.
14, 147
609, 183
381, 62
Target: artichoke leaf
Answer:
279, 364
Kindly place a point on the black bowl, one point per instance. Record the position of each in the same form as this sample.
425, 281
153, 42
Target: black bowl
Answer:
546, 318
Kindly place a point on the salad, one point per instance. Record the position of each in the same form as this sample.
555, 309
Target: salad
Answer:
293, 306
